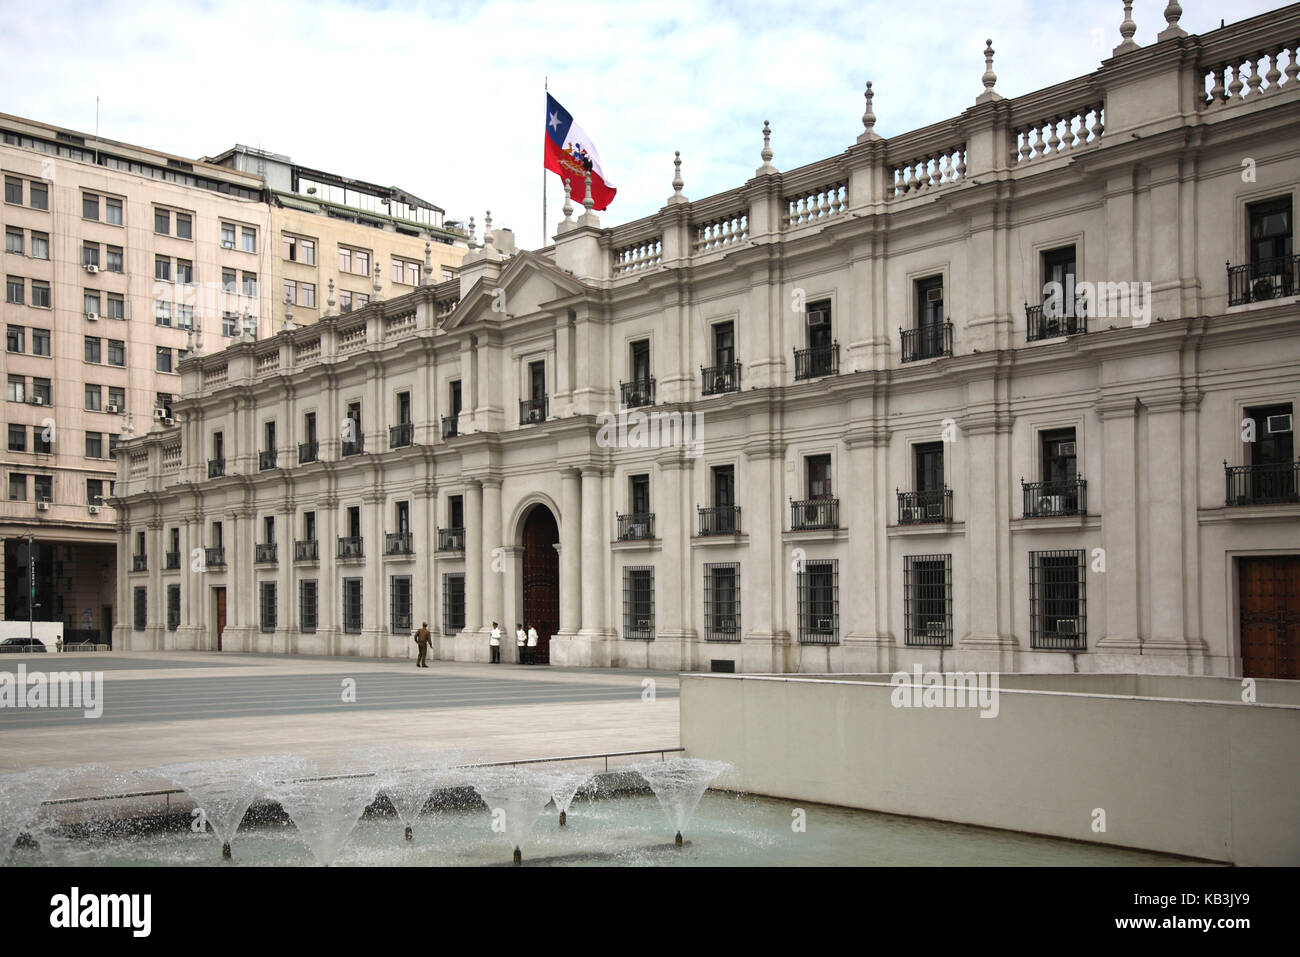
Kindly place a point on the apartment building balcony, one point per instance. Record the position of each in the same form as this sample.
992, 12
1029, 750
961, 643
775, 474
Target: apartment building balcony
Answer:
814, 513
308, 452
172, 561
265, 553
266, 460
216, 468
214, 558
926, 342
1044, 499
637, 393
920, 508
1275, 483
451, 539
139, 563
1261, 281
306, 550
719, 519
401, 435
532, 410
717, 380
398, 543
637, 526
817, 361
350, 547
1046, 325
450, 427
354, 446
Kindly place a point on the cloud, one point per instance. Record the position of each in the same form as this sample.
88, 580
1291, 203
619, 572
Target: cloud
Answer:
445, 99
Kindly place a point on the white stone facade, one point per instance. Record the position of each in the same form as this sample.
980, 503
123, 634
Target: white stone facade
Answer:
1139, 168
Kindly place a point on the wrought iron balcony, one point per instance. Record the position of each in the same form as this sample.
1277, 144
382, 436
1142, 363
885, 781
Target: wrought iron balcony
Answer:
306, 550
401, 435
926, 342
397, 543
354, 446
719, 519
715, 380
307, 452
1274, 278
172, 561
451, 539
266, 460
214, 558
919, 508
817, 361
532, 410
265, 552
813, 513
1043, 499
638, 392
450, 429
139, 563
1039, 325
638, 526
350, 546
216, 468
1272, 484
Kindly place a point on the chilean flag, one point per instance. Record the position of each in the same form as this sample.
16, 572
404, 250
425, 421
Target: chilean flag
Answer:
569, 151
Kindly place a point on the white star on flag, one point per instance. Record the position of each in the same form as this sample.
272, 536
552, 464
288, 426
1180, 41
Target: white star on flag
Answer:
555, 121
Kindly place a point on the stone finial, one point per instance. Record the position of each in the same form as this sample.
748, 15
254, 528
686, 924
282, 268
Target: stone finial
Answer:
129, 427
588, 204
428, 265
990, 78
869, 115
288, 315
472, 242
677, 196
568, 200
1126, 30
377, 285
1173, 13
329, 303
767, 144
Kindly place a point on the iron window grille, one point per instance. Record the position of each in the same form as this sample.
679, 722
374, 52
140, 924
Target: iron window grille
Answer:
172, 561
926, 342
265, 552
307, 452
637, 392
449, 426
173, 607
918, 508
927, 601
307, 598
719, 519
397, 543
1041, 323
639, 602
814, 513
532, 410
266, 460
307, 550
401, 435
352, 606
139, 563
716, 380
266, 594
141, 608
400, 601
722, 601
214, 558
1057, 600
350, 546
819, 602
636, 527
1273, 278
216, 468
354, 446
453, 603
817, 361
1268, 484
1065, 497
451, 539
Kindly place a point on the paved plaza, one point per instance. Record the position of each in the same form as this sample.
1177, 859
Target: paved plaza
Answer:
188, 706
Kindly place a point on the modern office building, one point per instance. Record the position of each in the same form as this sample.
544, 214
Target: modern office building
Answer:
982, 395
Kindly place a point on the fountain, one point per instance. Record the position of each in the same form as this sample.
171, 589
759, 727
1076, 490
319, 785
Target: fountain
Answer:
325, 809
565, 786
679, 783
409, 782
518, 794
66, 823
224, 790
21, 795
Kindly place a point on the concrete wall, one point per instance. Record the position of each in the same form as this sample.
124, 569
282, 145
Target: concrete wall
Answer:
1212, 780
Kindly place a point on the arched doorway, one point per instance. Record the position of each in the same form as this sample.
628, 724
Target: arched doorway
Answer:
541, 578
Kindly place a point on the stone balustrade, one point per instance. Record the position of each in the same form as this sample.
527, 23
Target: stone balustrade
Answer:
639, 256
932, 170
816, 205
1245, 76
1063, 131
721, 232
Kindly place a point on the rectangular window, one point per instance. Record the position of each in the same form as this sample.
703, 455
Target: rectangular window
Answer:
229, 325
345, 255
250, 283
14, 289
722, 601
307, 606
352, 605
90, 254
1270, 231
39, 195
40, 342
40, 245
41, 391
117, 397
89, 206
94, 445
17, 388
17, 438
927, 601
185, 272
113, 211
345, 301
248, 239
267, 605
90, 302
184, 226
40, 294
13, 241
116, 352
115, 306
41, 438
400, 602
173, 607
228, 280
94, 491
639, 602
819, 602
141, 607
113, 260
1059, 455
14, 338
162, 268
94, 398
1057, 600
17, 487
227, 235
929, 466
13, 190
453, 604
162, 222
164, 360
184, 317
307, 294
639, 493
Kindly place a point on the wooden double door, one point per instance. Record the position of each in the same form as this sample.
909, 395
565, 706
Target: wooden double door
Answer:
541, 579
1269, 590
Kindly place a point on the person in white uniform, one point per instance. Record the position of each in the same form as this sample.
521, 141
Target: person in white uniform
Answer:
532, 645
495, 643
521, 640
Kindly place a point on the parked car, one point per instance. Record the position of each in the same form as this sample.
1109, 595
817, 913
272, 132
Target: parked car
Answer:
22, 646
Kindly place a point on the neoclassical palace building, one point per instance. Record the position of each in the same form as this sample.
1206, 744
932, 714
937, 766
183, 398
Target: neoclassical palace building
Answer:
983, 395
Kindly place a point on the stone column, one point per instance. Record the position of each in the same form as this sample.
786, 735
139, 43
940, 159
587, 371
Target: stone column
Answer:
493, 564
1120, 630
570, 552
763, 567
1166, 580
869, 647
595, 630
984, 646
374, 600
673, 647
473, 571
286, 620
329, 587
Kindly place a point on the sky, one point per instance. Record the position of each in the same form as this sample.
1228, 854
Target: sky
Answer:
445, 99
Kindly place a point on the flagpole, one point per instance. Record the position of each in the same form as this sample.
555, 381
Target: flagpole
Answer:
545, 89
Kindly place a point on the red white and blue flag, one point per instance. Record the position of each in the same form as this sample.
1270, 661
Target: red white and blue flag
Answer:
570, 152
